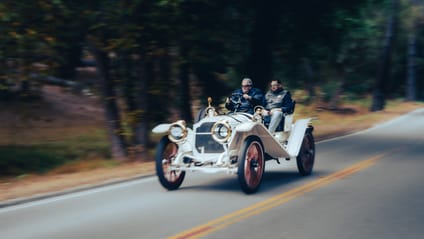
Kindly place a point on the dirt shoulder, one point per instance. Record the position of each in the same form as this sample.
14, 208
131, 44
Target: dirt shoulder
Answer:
40, 186
328, 123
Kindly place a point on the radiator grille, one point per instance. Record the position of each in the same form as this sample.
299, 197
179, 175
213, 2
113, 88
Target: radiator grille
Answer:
204, 141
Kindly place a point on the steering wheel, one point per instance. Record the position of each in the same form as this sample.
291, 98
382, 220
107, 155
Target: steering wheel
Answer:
235, 98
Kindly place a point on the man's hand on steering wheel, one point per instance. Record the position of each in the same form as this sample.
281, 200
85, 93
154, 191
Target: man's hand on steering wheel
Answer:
247, 97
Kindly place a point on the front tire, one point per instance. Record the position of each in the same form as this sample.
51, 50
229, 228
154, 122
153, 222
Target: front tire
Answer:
251, 165
165, 153
306, 158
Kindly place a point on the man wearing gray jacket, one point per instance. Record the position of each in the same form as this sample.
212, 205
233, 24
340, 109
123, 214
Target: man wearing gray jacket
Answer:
277, 103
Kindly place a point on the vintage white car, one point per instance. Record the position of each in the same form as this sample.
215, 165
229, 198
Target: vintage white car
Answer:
236, 143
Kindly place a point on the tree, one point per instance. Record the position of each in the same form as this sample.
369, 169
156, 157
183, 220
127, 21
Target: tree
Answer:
24, 41
100, 41
263, 37
383, 70
411, 84
118, 144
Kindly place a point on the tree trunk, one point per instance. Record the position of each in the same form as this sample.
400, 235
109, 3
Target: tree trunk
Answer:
383, 70
209, 85
130, 91
141, 128
71, 60
185, 109
336, 98
118, 145
310, 78
25, 86
128, 74
165, 77
263, 37
411, 81
411, 87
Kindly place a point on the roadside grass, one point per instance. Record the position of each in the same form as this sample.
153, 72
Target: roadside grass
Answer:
351, 116
69, 154
19, 160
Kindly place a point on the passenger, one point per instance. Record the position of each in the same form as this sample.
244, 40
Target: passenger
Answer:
248, 95
277, 102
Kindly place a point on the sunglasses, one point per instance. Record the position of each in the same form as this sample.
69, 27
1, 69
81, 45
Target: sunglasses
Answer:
246, 85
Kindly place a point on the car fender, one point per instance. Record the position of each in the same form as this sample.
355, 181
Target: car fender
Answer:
296, 136
270, 144
161, 128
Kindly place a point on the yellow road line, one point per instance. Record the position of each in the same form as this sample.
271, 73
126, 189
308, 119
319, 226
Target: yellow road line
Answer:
227, 220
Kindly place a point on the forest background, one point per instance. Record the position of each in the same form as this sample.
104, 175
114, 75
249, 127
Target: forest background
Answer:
152, 61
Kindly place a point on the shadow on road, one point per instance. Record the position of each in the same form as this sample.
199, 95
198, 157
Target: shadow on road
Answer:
270, 181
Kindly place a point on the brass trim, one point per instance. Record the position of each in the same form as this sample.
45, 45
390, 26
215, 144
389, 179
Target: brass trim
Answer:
225, 124
182, 125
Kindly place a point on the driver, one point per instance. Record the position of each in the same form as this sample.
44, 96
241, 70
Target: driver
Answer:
248, 95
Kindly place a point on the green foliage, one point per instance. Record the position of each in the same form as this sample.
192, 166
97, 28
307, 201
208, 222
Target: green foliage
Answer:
211, 36
17, 160
328, 90
42, 157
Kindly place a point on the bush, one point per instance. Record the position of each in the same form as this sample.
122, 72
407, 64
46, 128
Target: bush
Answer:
17, 160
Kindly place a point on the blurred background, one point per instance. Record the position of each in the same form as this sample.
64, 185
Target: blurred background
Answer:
83, 81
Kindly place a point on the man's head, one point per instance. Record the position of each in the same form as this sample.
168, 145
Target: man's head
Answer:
246, 85
275, 85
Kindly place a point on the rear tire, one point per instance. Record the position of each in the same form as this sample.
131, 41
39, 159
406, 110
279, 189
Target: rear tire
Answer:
251, 165
165, 152
306, 158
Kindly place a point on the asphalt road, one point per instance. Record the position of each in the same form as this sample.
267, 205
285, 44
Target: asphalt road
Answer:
366, 185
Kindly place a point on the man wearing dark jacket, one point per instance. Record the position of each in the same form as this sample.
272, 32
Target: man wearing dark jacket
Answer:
247, 97
278, 102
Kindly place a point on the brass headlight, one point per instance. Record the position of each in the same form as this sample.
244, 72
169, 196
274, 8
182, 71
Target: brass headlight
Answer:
221, 131
177, 131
